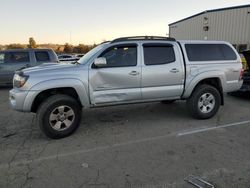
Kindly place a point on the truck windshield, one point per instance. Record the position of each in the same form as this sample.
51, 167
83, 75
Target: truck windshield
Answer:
90, 54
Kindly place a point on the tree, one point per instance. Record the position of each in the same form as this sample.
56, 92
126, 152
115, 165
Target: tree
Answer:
68, 48
32, 43
59, 49
16, 46
81, 48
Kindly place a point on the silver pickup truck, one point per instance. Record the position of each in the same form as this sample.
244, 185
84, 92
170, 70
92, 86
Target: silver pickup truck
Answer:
129, 70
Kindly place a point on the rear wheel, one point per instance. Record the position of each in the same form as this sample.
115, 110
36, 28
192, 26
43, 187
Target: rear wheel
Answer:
204, 102
59, 116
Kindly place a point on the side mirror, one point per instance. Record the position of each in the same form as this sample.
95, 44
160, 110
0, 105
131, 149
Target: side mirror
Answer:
100, 62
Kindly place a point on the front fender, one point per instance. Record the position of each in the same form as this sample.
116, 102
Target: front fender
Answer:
78, 85
192, 81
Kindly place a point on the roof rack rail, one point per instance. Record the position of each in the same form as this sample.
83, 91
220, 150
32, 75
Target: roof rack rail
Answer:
124, 39
105, 42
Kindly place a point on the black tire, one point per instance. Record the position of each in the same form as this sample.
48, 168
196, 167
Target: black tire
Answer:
48, 107
168, 101
193, 102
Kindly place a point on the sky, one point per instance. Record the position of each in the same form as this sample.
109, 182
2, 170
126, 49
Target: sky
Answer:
93, 21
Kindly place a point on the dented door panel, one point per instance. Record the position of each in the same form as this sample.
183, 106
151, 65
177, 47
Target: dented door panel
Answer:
120, 80
114, 84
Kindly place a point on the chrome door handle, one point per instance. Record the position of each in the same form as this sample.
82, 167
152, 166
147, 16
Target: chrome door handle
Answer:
134, 73
174, 70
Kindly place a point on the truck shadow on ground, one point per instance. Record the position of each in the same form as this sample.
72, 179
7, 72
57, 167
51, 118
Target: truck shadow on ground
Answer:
115, 118
5, 88
241, 95
133, 115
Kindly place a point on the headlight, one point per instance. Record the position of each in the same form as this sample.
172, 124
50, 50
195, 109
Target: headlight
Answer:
19, 79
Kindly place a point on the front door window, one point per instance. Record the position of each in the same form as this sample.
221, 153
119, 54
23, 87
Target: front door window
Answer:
121, 56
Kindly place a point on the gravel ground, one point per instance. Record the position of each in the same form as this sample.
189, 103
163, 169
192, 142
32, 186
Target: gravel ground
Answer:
147, 145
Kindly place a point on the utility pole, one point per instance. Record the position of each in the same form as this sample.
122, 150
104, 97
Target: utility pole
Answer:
70, 39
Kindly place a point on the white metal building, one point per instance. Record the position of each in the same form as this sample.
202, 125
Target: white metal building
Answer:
228, 24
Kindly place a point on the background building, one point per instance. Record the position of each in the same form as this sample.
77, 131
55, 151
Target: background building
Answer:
229, 24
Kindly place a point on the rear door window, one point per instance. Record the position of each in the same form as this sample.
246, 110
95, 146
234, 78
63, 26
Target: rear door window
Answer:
158, 54
17, 57
209, 52
42, 56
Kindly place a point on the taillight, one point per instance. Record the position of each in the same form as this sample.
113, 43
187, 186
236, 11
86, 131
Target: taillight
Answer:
241, 74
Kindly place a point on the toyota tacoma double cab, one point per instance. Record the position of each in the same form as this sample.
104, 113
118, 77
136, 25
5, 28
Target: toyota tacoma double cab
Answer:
129, 70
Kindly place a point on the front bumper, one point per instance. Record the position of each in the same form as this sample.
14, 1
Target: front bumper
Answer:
17, 98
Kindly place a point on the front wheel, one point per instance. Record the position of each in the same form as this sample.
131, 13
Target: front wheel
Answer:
59, 116
204, 102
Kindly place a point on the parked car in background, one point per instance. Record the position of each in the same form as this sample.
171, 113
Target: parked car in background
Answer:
12, 60
79, 56
129, 70
67, 58
246, 77
244, 61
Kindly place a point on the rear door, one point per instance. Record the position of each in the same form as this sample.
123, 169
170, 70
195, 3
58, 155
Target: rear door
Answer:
119, 80
13, 61
162, 72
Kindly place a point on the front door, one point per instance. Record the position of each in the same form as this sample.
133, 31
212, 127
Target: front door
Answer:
119, 80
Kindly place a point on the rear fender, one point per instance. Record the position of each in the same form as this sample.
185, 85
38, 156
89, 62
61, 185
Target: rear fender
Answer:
193, 82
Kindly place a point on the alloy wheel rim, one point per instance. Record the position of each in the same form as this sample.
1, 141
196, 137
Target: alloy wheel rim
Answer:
206, 103
61, 118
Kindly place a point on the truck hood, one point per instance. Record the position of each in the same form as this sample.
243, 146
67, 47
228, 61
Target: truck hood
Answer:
47, 67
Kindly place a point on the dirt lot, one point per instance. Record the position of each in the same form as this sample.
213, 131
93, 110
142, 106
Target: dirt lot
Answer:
147, 145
